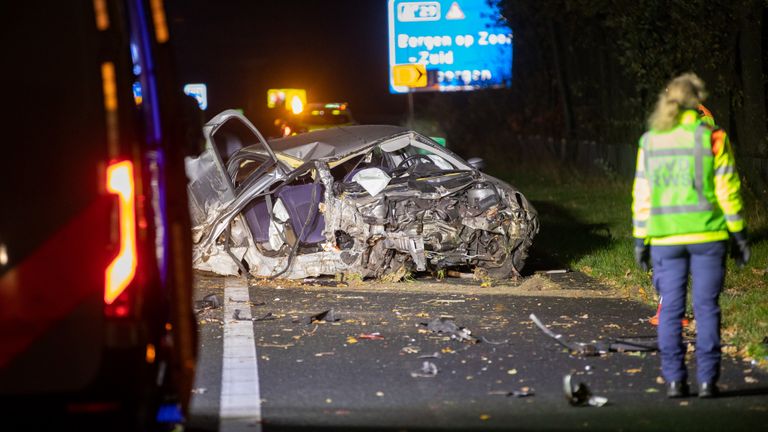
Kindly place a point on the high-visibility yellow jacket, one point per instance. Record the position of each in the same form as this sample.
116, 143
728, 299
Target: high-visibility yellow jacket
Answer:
685, 198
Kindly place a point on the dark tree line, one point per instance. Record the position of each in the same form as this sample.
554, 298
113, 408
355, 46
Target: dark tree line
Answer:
591, 69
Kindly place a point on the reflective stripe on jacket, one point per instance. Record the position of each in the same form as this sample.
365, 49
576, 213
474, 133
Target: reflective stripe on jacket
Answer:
686, 188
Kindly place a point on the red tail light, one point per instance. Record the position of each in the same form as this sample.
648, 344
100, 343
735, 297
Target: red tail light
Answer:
122, 269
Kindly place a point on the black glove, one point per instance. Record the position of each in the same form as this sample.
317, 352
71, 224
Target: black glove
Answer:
740, 248
642, 254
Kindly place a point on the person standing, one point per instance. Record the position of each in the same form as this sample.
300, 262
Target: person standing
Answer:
686, 204
706, 116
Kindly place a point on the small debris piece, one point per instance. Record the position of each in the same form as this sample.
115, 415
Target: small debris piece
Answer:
380, 393
371, 336
434, 355
750, 380
199, 390
523, 392
428, 370
602, 347
351, 340
324, 316
443, 301
211, 301
267, 317
460, 275
486, 340
443, 325
410, 349
323, 354
484, 417
512, 372
580, 395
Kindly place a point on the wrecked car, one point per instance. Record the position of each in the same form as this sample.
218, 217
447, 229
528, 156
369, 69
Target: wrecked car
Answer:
361, 200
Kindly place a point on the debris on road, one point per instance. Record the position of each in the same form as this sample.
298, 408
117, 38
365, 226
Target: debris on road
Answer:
442, 301
580, 395
600, 347
578, 347
434, 355
428, 370
324, 282
266, 317
488, 341
211, 301
410, 349
371, 336
199, 390
324, 316
558, 271
458, 274
523, 392
443, 325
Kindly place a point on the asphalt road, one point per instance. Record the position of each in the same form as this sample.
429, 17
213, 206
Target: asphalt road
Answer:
331, 376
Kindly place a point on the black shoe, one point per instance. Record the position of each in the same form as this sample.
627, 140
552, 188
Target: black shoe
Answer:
677, 389
708, 390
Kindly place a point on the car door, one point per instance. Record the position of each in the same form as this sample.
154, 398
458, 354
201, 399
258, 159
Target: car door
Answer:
236, 166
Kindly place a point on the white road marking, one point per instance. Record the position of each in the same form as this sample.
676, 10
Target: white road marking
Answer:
240, 406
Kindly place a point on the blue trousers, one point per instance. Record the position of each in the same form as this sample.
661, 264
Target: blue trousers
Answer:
671, 265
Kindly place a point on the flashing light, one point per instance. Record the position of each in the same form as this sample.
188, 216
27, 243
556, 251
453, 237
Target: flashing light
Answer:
158, 18
283, 98
151, 354
101, 15
297, 106
122, 269
109, 86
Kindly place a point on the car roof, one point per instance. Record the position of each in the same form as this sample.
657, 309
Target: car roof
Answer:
333, 142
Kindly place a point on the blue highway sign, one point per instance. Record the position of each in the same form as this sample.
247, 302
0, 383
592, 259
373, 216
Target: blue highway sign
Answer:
464, 45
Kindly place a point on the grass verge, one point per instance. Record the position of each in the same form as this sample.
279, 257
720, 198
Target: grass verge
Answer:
586, 226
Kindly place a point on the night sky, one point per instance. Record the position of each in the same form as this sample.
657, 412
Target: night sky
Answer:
336, 50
